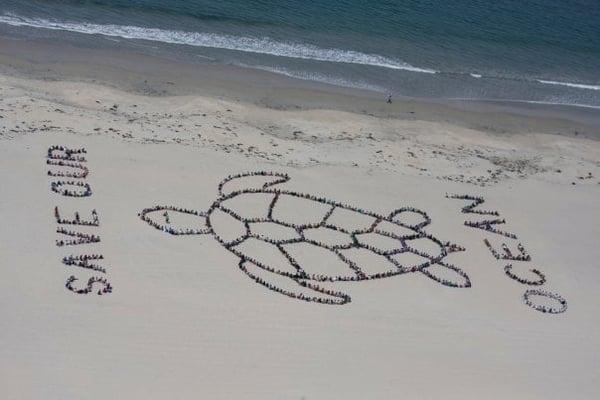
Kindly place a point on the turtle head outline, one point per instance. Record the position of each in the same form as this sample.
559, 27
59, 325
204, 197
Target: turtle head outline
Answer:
296, 279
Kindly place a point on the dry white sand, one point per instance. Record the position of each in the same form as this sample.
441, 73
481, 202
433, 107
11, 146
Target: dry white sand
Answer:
184, 322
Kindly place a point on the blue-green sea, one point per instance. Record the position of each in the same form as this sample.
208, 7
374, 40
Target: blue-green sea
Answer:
526, 50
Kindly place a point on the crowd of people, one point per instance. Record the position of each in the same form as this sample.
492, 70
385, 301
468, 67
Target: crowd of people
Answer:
77, 219
538, 282
544, 308
106, 286
170, 229
61, 163
67, 153
83, 261
453, 247
299, 275
470, 208
522, 256
355, 243
62, 156
69, 163
508, 255
282, 178
465, 283
395, 217
336, 297
58, 187
81, 238
486, 225
358, 274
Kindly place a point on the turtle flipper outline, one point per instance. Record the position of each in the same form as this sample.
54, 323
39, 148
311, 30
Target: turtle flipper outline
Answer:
251, 181
322, 295
459, 278
398, 214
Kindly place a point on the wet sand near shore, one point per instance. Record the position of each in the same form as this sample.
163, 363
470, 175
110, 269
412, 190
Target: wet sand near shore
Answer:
173, 74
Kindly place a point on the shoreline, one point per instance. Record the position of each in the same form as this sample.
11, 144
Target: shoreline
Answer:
155, 75
422, 74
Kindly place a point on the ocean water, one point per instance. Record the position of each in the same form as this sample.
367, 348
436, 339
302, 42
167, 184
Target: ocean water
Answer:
521, 50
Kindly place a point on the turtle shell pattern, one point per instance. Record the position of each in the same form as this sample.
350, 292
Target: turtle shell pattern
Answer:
314, 238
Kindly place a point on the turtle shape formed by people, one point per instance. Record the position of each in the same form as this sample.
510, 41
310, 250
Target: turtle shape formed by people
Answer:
299, 244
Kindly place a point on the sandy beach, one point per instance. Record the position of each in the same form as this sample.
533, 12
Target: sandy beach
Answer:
178, 318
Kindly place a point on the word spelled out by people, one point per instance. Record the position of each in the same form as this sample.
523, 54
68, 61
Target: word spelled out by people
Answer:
65, 162
532, 297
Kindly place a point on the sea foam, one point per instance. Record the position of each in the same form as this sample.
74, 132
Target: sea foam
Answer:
569, 84
318, 77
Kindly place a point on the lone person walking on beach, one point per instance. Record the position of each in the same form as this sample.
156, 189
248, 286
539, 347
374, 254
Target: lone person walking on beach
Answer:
389, 98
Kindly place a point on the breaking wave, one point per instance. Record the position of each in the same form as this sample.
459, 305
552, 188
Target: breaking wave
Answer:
569, 84
258, 45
